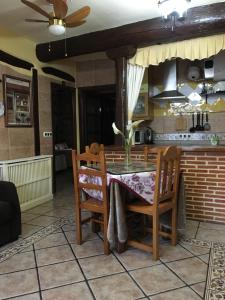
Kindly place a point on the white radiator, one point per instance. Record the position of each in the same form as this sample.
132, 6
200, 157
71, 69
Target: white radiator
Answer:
32, 177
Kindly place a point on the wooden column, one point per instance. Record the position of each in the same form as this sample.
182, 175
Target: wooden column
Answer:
120, 57
35, 112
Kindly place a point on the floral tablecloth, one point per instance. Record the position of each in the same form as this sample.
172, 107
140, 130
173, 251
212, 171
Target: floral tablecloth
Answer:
142, 184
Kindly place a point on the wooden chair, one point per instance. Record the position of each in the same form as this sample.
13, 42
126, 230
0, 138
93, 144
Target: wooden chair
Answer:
97, 207
94, 148
165, 199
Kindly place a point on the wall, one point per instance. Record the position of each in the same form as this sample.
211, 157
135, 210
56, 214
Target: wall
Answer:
19, 142
95, 73
165, 113
25, 49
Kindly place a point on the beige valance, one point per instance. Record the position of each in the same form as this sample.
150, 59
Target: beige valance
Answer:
192, 49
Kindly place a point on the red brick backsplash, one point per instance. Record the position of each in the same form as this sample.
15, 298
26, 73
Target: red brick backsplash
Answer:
204, 179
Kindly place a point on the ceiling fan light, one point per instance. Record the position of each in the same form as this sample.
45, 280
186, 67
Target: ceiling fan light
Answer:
56, 27
169, 7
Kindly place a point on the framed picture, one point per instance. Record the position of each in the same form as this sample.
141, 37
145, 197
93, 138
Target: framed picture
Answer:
141, 108
17, 101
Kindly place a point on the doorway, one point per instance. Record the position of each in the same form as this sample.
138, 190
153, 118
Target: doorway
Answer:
63, 132
97, 113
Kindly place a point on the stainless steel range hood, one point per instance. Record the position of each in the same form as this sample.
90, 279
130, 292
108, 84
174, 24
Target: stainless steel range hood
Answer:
169, 82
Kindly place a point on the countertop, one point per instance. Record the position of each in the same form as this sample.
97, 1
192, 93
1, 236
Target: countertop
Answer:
184, 148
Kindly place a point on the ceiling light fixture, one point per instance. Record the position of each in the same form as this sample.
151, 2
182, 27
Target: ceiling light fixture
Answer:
57, 26
173, 9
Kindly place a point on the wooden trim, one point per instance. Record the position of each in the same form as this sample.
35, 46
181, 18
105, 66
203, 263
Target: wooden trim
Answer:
200, 21
35, 112
15, 61
58, 73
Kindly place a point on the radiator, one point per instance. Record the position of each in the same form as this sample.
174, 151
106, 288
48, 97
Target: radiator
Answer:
32, 177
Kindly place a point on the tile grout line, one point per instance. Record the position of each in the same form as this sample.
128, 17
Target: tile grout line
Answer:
37, 271
76, 259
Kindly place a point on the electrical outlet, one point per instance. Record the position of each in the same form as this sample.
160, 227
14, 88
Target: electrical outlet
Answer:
47, 134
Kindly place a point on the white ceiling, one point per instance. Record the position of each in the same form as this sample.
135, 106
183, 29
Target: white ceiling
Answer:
104, 14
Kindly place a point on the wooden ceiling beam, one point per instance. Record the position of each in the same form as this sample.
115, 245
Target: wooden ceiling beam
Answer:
200, 21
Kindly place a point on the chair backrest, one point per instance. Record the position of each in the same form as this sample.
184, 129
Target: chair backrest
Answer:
167, 174
90, 178
94, 148
150, 153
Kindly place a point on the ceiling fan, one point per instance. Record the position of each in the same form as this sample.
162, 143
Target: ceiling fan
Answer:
58, 19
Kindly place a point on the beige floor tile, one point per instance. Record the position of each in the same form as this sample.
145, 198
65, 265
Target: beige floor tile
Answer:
59, 274
191, 270
191, 231
54, 255
205, 258
19, 283
210, 235
69, 227
28, 229
156, 279
52, 240
212, 226
77, 291
192, 223
25, 217
114, 287
199, 288
27, 249
179, 294
101, 265
170, 253
134, 259
18, 262
196, 250
87, 234
89, 248
39, 210
34, 296
43, 221
58, 212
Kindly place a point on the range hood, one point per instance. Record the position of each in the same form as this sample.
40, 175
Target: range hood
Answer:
169, 83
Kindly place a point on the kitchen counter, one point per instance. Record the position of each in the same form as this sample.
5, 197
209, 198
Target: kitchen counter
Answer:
184, 148
203, 168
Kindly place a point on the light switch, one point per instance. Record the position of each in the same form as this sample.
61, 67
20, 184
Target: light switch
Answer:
47, 134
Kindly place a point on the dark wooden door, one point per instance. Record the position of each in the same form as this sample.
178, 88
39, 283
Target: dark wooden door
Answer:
63, 123
97, 113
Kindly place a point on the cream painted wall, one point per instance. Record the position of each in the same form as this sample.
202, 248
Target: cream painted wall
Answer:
19, 142
25, 49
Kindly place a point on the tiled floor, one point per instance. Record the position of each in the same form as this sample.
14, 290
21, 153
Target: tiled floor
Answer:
52, 266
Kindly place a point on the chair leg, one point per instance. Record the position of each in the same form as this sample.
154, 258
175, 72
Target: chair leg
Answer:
105, 241
78, 226
155, 236
174, 227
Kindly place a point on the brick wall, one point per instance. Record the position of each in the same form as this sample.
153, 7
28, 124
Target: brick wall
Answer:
204, 179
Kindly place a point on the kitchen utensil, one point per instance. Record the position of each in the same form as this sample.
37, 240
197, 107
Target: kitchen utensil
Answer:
207, 126
192, 129
181, 123
202, 123
198, 126
148, 135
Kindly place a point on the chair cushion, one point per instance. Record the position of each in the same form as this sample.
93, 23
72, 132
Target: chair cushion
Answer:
5, 212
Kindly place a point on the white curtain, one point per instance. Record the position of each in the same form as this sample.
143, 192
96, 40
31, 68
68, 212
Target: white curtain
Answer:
198, 48
135, 75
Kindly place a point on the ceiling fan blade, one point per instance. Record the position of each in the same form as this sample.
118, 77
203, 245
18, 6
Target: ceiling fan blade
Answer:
60, 8
75, 24
78, 15
37, 21
36, 8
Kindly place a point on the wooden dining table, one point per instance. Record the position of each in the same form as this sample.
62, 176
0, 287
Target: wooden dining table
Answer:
129, 181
